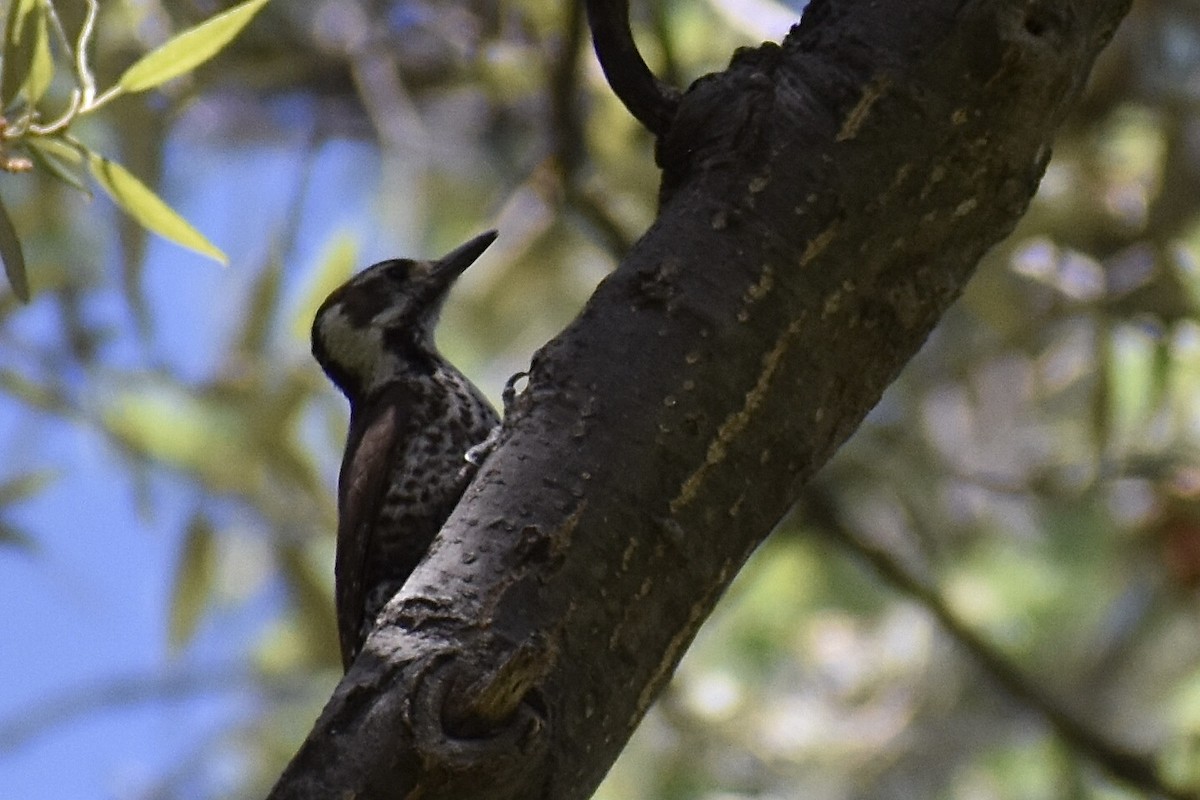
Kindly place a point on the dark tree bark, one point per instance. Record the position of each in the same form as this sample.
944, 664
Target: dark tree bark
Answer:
824, 201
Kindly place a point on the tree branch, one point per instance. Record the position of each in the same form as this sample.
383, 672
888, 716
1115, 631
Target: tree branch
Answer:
823, 202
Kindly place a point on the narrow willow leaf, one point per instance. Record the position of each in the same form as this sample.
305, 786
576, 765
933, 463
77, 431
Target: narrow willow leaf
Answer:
33, 394
139, 202
41, 68
20, 45
310, 593
56, 147
15, 537
48, 160
14, 259
186, 51
194, 581
262, 308
25, 486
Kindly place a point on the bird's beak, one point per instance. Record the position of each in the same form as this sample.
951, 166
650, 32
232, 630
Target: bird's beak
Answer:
454, 263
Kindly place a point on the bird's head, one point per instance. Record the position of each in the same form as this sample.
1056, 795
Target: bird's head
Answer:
379, 324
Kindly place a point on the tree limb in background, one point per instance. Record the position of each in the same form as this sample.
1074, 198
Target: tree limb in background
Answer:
823, 202
1120, 762
567, 138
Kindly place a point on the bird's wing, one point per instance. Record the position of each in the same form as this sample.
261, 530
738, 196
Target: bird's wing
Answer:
360, 486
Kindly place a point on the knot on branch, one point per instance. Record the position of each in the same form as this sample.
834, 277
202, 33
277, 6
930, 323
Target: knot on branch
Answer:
481, 716
722, 119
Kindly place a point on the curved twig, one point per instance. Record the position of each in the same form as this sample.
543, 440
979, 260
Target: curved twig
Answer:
652, 102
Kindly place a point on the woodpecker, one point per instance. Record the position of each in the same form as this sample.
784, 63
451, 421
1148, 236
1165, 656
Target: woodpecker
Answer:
413, 419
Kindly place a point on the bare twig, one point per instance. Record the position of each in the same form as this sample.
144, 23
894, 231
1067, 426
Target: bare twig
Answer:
83, 74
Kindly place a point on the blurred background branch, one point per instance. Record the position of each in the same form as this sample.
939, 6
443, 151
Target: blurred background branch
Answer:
1122, 763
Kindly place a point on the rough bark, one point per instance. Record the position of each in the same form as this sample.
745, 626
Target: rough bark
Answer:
824, 201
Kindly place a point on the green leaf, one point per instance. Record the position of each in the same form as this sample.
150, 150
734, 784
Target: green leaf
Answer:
25, 486
310, 592
57, 147
186, 51
139, 202
14, 259
204, 436
15, 537
20, 47
32, 394
47, 154
262, 307
194, 581
41, 68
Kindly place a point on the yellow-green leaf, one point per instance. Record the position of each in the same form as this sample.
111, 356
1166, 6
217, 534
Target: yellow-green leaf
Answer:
14, 259
57, 147
20, 45
310, 591
33, 394
194, 580
139, 202
41, 68
262, 307
23, 487
15, 537
47, 156
186, 51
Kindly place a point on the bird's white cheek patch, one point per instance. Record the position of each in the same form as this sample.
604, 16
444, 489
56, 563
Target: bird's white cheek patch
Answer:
358, 350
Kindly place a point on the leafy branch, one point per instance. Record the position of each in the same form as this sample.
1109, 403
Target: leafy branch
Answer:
29, 142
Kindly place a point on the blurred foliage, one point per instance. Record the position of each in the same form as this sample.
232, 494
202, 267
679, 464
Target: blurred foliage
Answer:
29, 62
1028, 489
